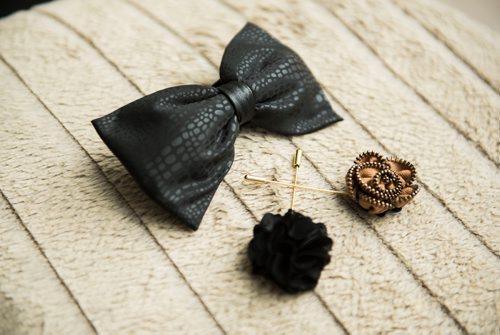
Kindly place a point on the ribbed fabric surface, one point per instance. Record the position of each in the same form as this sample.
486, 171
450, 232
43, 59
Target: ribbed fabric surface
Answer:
83, 250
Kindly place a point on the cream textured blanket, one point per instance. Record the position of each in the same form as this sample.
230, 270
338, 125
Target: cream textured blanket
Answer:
83, 250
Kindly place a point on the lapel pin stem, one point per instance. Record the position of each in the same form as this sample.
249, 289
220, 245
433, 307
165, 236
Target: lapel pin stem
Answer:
260, 180
296, 165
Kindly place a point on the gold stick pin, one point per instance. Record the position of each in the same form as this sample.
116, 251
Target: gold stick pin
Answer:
296, 165
261, 180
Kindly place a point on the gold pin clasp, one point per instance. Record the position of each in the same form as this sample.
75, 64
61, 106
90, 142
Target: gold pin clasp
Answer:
297, 158
256, 179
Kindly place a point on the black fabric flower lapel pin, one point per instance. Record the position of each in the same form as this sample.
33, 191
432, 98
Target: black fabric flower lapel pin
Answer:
290, 249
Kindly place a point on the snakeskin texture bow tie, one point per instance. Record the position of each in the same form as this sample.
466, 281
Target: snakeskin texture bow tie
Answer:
178, 143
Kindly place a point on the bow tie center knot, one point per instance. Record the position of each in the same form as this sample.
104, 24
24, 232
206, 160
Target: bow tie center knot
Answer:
241, 97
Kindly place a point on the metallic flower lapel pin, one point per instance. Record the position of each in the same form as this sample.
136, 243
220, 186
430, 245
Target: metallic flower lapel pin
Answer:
381, 184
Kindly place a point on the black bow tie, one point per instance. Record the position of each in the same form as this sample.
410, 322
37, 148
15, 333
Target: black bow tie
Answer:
178, 143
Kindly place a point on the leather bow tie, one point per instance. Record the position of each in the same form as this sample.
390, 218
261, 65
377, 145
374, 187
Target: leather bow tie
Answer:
178, 143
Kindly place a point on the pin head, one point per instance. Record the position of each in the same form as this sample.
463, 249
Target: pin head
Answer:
297, 158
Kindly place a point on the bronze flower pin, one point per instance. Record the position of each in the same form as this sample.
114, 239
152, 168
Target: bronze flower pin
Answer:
376, 183
381, 184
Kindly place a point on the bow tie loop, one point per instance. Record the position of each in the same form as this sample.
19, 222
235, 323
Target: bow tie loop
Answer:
241, 97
